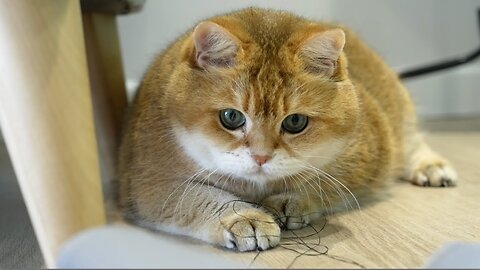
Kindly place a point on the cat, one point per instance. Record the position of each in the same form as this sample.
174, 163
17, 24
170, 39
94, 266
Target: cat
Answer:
260, 120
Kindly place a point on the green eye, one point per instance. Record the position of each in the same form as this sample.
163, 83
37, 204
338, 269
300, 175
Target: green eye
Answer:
295, 123
232, 119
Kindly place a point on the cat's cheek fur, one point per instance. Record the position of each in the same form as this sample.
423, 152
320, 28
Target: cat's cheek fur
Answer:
239, 163
209, 156
196, 146
325, 153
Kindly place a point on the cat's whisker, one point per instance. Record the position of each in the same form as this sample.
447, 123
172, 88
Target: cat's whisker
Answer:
178, 187
202, 183
210, 186
217, 198
329, 210
292, 179
184, 194
308, 179
339, 182
226, 181
349, 191
243, 185
319, 192
340, 192
212, 197
299, 183
187, 192
285, 187
292, 188
334, 186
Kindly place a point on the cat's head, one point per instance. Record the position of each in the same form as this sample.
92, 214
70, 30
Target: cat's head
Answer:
262, 102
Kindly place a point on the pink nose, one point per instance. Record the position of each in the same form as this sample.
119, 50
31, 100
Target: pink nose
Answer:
261, 159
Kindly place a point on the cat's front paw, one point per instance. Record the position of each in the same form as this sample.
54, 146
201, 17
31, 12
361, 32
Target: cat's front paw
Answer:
250, 229
292, 211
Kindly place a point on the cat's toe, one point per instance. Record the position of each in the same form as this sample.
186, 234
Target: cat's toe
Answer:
251, 230
429, 169
437, 175
297, 222
291, 212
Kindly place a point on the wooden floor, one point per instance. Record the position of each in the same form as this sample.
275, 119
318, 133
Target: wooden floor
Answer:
402, 230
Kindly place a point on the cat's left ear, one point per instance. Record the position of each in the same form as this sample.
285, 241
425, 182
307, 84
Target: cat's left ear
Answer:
322, 51
214, 46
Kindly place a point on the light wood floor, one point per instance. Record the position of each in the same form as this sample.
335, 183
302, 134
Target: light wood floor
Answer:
403, 229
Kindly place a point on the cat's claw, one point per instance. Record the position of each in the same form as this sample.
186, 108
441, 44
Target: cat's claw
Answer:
251, 229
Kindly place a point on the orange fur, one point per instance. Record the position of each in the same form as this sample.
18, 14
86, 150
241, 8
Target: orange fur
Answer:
361, 106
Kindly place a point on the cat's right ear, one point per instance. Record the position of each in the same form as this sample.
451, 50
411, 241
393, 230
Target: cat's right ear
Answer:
214, 46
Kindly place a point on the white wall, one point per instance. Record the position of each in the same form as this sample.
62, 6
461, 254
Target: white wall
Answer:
406, 33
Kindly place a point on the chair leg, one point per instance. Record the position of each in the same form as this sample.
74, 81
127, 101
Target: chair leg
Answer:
107, 85
46, 118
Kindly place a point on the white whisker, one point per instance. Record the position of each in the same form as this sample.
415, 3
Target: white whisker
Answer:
339, 182
184, 182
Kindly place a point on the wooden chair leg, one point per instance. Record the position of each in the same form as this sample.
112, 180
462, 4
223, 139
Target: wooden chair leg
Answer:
46, 118
107, 85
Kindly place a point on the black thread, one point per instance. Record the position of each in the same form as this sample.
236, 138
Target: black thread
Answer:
290, 243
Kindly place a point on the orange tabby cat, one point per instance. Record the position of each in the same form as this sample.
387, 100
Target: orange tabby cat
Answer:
261, 107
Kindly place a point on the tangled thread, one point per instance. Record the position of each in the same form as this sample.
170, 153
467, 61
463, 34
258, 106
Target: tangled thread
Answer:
296, 243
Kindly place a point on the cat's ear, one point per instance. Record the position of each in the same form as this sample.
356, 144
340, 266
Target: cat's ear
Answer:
322, 51
214, 46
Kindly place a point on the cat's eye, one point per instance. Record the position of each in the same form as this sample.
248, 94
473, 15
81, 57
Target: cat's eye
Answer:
295, 123
232, 119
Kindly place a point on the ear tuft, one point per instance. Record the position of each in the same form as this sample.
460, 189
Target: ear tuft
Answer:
214, 46
322, 51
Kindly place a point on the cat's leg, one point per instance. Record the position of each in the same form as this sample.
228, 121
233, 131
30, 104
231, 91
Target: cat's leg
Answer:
213, 215
425, 167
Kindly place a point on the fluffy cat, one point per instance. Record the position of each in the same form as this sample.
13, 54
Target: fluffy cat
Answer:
261, 107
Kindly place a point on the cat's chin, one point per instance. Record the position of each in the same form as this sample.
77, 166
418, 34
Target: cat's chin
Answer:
260, 177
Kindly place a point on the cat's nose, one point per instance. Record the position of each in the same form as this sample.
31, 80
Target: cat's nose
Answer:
261, 159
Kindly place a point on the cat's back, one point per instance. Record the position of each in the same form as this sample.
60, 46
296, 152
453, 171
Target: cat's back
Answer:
373, 76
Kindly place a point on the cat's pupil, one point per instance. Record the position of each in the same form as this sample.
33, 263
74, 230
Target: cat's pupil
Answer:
295, 119
232, 116
232, 119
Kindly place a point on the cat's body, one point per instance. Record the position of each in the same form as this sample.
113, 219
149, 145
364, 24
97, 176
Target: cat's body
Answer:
187, 161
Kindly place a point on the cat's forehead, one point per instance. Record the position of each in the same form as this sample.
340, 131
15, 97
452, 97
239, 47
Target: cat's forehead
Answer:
265, 98
270, 93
